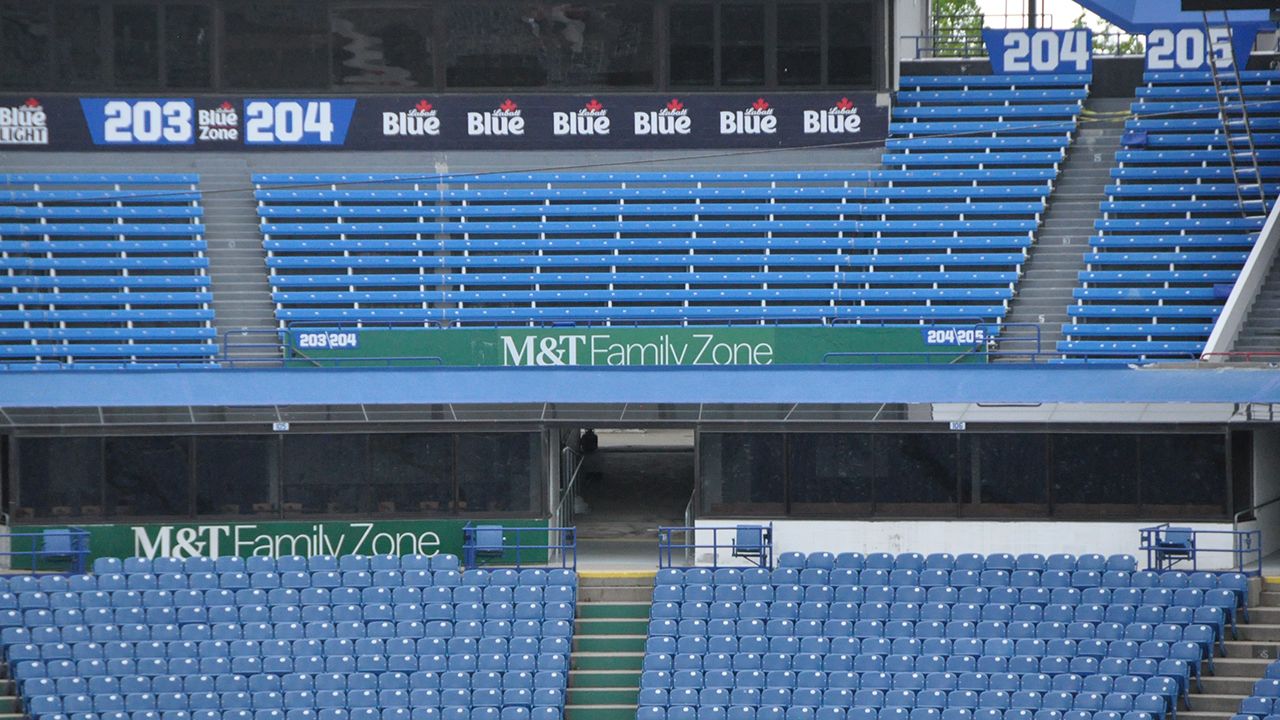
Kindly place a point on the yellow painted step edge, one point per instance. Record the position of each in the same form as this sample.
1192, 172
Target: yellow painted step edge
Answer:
1272, 580
617, 573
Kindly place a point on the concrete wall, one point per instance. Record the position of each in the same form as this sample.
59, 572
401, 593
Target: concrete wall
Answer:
1266, 485
959, 536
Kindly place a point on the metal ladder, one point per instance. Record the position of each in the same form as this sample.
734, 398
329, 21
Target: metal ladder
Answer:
1233, 111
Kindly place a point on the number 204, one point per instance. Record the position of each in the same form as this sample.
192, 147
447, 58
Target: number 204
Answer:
1046, 51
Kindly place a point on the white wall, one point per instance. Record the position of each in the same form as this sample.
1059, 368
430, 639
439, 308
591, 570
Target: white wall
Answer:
959, 536
910, 17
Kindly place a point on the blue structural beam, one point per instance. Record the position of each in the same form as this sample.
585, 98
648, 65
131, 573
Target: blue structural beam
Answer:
1141, 16
797, 384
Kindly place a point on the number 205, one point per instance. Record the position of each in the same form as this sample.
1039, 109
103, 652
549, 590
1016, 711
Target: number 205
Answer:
1046, 51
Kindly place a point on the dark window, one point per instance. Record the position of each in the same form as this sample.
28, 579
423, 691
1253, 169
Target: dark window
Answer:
136, 32
411, 473
851, 33
188, 33
920, 469
741, 45
1184, 473
799, 44
692, 55
497, 473
742, 473
59, 477
325, 474
281, 44
148, 476
494, 44
832, 473
24, 44
1003, 474
518, 44
1095, 475
382, 47
235, 475
77, 45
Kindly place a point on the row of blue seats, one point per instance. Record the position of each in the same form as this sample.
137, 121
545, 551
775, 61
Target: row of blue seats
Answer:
826, 712
267, 682
58, 212
1011, 81
272, 230
459, 650
320, 579
133, 230
47, 705
399, 663
653, 243
13, 247
764, 191
554, 279
419, 713
365, 298
690, 261
98, 179
29, 670
1029, 672
1064, 614
907, 313
1113, 580
933, 561
1153, 699
445, 592
105, 298
341, 629
945, 206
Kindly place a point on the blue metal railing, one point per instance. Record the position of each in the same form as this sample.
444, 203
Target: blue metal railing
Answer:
509, 545
1170, 547
746, 544
30, 552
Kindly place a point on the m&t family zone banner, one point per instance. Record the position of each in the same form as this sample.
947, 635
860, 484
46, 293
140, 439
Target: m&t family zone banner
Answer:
645, 347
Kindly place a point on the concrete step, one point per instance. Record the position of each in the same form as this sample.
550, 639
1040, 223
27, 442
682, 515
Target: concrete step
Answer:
611, 626
604, 678
613, 610
1259, 631
1218, 685
600, 712
1198, 714
607, 660
614, 644
1205, 702
603, 696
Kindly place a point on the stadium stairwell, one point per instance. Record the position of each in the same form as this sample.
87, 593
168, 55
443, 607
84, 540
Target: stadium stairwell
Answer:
608, 645
10, 707
1243, 665
1261, 331
237, 261
1051, 272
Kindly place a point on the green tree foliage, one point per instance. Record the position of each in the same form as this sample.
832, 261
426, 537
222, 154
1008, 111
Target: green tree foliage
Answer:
1110, 40
957, 28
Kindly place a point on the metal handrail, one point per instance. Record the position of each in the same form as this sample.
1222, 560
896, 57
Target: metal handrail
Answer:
1235, 519
557, 515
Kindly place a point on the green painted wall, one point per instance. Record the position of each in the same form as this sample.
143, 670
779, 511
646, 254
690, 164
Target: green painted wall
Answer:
275, 538
644, 346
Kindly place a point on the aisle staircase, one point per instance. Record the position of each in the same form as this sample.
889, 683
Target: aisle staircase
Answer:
1246, 660
608, 644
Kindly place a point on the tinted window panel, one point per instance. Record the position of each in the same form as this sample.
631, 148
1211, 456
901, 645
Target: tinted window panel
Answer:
136, 31
741, 45
1095, 474
386, 48
1187, 471
498, 44
78, 45
851, 43
24, 44
742, 473
920, 469
235, 475
1004, 473
148, 476
832, 472
59, 477
497, 473
412, 473
325, 474
188, 31
283, 44
692, 54
799, 44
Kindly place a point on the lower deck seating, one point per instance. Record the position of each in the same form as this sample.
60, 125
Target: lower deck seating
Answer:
1174, 231
963, 637
294, 638
103, 269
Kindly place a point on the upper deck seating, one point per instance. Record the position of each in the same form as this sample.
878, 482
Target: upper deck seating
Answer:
102, 268
1173, 234
372, 638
